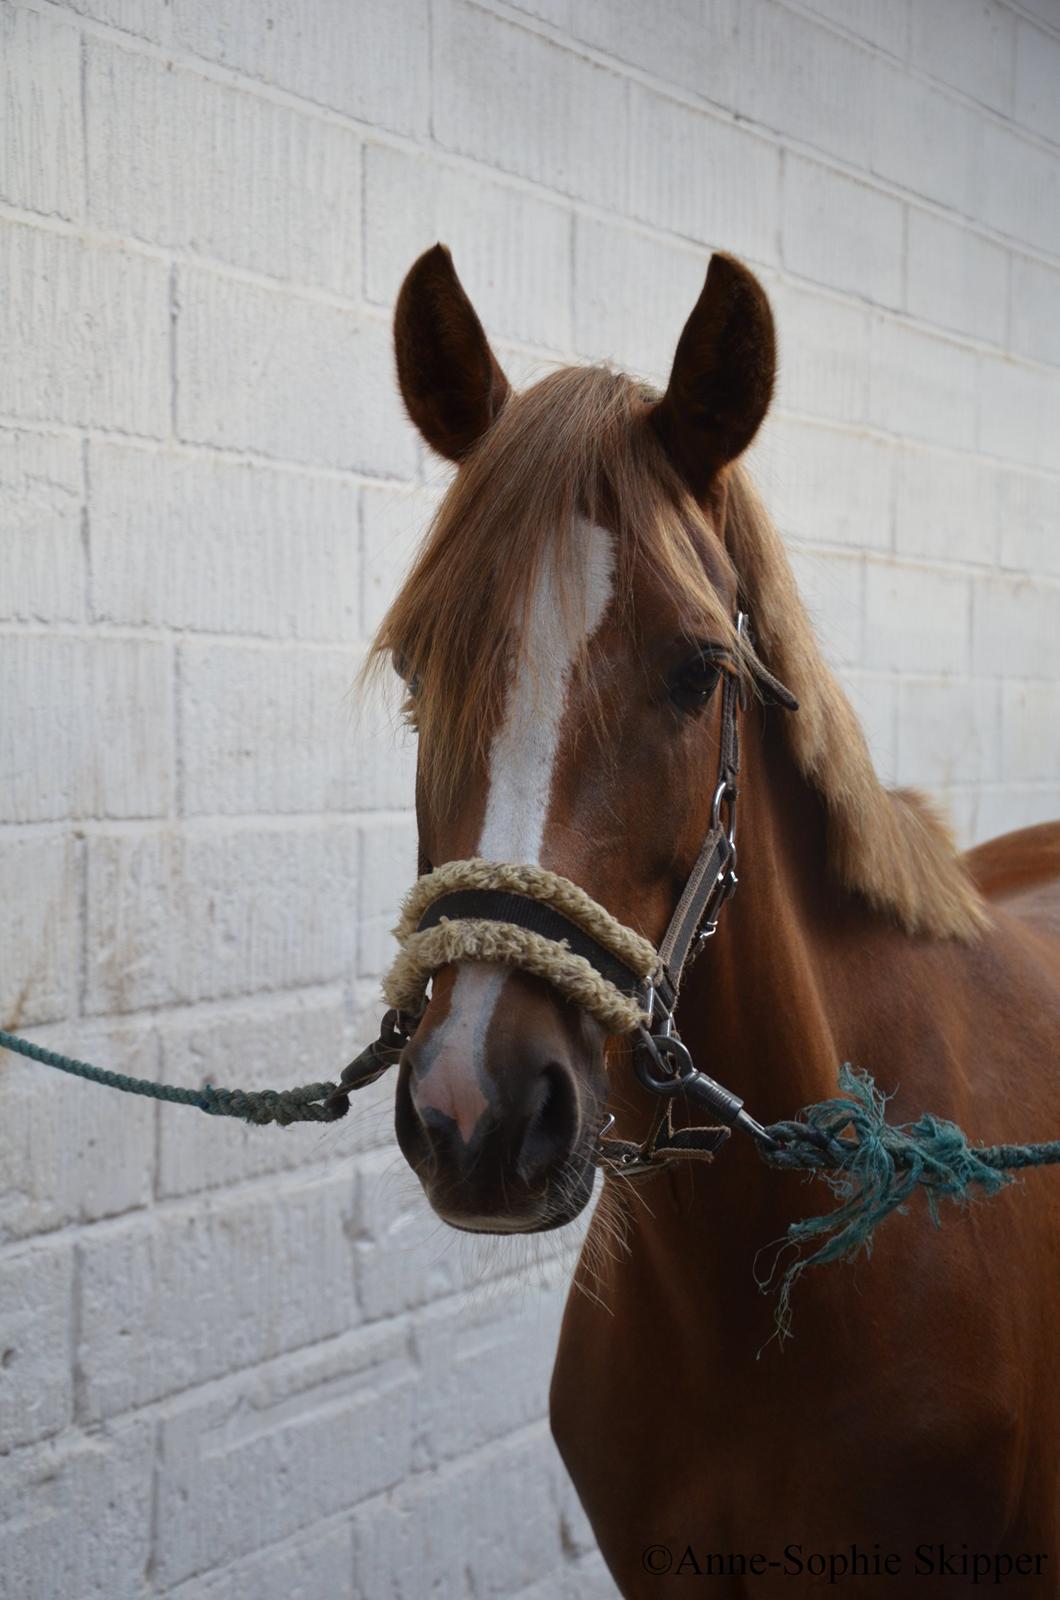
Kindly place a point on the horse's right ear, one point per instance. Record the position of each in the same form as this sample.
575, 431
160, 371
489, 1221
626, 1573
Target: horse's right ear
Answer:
450, 381
722, 378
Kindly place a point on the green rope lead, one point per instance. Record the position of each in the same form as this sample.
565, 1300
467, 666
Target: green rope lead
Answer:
311, 1102
876, 1171
872, 1174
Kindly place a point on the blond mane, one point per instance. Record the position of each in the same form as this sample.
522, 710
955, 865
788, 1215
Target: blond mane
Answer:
576, 444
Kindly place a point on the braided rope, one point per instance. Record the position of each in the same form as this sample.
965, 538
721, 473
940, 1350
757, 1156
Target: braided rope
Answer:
474, 939
424, 952
307, 1103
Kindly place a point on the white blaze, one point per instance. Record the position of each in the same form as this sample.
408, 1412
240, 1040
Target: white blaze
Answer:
523, 760
523, 757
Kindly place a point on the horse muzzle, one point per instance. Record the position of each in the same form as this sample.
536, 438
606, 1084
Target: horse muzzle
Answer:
498, 1102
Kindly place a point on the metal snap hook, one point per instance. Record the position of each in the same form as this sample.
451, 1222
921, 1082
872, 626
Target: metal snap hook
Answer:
662, 1063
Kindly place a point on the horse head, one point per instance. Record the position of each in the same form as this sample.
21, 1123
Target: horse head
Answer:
562, 637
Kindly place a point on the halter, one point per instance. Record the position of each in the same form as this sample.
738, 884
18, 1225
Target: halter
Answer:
592, 957
538, 921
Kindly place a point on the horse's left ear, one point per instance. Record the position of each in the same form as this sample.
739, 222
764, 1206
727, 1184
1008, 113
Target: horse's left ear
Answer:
722, 378
451, 382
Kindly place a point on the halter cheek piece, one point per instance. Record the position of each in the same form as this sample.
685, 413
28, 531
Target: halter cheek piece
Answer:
528, 917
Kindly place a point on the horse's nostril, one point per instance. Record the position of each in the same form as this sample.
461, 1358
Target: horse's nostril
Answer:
552, 1124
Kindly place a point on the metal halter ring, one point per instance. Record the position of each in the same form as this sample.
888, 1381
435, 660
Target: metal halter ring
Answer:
726, 790
670, 1055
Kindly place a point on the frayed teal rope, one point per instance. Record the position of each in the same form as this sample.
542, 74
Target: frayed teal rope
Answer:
308, 1103
874, 1172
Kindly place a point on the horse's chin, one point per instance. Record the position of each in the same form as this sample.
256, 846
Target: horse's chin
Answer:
561, 1204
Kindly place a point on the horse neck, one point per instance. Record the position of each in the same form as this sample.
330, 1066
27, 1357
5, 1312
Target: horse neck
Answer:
799, 975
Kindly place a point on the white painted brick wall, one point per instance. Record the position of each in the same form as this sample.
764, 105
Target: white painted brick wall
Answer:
240, 1364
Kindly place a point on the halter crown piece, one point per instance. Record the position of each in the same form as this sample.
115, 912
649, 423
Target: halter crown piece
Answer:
536, 920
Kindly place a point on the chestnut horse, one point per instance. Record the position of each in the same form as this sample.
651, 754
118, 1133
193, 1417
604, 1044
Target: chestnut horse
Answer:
560, 635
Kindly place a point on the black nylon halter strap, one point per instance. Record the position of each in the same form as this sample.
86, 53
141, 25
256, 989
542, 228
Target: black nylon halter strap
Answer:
499, 905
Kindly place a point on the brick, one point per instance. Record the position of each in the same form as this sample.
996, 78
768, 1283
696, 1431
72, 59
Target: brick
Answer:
186, 542
632, 295
806, 81
183, 161
1043, 9
558, 12
916, 620
386, 748
824, 355
75, 1516
174, 1299
318, 1563
948, 733
947, 507
287, 376
276, 1043
36, 1379
1005, 810
841, 233
922, 386
960, 809
394, 521
267, 728
42, 159
72, 1152
434, 1525
39, 948
1018, 407
1019, 189
512, 250
881, 22
706, 180
1035, 329
970, 48
404, 1257
201, 914
41, 485
832, 591
1037, 74
522, 367
388, 866
874, 696
830, 486
956, 279
279, 1449
584, 1578
146, 19
1030, 716
526, 105
374, 67
87, 730
1030, 516
923, 141
688, 43
1016, 627
499, 1348
84, 332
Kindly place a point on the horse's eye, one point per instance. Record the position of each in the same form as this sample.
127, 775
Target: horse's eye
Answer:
695, 681
403, 668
